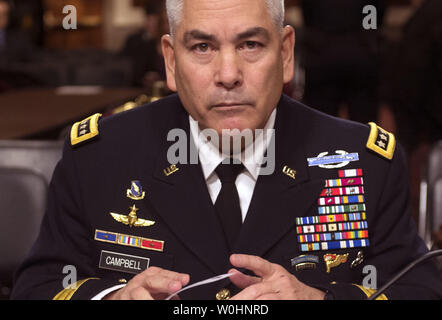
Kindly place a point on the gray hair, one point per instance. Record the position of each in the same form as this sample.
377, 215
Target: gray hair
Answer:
175, 10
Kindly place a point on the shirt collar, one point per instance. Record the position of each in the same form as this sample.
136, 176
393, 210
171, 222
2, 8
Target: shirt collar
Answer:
251, 157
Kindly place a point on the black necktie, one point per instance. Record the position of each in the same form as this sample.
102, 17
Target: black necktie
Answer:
227, 203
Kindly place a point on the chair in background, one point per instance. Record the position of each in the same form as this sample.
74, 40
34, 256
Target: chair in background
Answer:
40, 156
26, 169
22, 204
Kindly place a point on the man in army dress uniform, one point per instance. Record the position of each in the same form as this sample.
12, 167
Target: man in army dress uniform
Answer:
134, 225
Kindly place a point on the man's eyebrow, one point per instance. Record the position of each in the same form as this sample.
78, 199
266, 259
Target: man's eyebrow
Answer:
249, 33
198, 35
253, 32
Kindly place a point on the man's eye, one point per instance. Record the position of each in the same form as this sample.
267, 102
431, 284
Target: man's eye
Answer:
251, 45
201, 47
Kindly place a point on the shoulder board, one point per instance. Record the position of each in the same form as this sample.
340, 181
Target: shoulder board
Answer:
381, 141
85, 130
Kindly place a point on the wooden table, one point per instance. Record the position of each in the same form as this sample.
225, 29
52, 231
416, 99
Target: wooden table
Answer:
29, 112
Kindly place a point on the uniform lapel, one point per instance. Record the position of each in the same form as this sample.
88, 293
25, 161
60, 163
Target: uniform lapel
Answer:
183, 201
278, 198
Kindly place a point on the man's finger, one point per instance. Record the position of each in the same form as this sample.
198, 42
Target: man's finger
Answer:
258, 265
156, 271
255, 291
162, 284
269, 296
139, 293
242, 280
157, 280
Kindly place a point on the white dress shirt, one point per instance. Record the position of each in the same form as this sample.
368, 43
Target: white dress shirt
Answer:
210, 157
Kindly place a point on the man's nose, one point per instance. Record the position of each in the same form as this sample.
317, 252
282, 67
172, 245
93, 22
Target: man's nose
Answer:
228, 74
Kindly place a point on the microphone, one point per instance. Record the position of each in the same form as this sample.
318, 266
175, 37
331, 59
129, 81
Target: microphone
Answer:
426, 256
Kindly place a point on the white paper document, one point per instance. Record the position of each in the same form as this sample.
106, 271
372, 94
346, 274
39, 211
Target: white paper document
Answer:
201, 283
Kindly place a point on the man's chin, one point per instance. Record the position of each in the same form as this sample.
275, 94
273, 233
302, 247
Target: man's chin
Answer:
230, 127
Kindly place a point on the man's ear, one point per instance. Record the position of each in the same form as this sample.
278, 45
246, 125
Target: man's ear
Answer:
169, 60
288, 53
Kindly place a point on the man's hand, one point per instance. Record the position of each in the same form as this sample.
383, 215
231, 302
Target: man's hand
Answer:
152, 284
273, 281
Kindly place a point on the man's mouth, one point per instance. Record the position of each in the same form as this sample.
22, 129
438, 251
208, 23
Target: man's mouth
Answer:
230, 105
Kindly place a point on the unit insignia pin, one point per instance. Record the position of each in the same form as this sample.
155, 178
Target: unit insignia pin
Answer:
334, 260
131, 219
359, 259
136, 191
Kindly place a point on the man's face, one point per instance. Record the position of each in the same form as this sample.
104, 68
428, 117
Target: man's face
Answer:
228, 61
4, 15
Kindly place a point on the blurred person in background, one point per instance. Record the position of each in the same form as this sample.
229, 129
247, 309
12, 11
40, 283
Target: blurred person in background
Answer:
14, 45
341, 58
413, 87
415, 77
143, 47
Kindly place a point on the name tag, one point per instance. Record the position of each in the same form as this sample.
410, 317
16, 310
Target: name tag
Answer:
123, 262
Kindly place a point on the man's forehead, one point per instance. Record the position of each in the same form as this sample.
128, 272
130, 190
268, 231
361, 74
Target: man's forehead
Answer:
220, 4
259, 32
234, 17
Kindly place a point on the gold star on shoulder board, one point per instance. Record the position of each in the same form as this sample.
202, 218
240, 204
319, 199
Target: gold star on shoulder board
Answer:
381, 144
131, 219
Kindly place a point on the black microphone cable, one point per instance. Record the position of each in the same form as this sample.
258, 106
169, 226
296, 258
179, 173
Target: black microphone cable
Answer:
426, 256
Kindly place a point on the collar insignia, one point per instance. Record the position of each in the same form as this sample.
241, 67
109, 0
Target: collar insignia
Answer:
170, 170
289, 172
